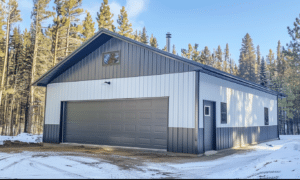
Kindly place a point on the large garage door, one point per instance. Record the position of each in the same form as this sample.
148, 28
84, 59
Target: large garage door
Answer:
132, 122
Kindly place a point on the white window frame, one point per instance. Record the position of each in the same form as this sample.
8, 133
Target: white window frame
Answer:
208, 110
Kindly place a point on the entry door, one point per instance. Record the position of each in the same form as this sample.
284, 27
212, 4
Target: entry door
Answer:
209, 125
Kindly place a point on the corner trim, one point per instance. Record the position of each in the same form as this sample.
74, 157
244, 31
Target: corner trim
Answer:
197, 82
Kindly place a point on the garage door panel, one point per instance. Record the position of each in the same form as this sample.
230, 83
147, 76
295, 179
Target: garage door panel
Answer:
144, 128
134, 122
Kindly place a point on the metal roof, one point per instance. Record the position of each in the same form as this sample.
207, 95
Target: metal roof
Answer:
103, 35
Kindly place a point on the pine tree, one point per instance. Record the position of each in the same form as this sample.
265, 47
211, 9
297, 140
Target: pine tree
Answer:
174, 50
70, 11
232, 66
292, 57
136, 36
219, 58
165, 48
11, 16
187, 53
125, 28
39, 15
226, 64
208, 57
140, 35
88, 27
12, 87
271, 68
195, 53
25, 75
202, 59
281, 63
104, 17
258, 63
144, 36
236, 70
2, 32
263, 74
56, 30
247, 59
153, 41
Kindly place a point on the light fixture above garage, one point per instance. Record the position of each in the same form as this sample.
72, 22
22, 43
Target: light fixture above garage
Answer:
107, 82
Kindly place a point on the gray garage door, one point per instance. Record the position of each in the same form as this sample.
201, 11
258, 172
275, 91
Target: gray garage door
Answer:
132, 122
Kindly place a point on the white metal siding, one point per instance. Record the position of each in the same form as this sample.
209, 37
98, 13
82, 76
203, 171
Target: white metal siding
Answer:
179, 87
245, 106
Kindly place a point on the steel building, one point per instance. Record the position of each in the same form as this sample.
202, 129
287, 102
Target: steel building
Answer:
116, 91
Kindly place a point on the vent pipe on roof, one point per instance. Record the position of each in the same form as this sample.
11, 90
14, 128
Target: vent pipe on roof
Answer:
168, 42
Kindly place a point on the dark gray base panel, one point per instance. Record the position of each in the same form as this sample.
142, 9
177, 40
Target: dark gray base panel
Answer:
182, 140
200, 141
238, 136
51, 133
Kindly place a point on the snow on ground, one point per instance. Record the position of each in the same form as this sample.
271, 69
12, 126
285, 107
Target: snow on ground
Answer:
274, 159
24, 137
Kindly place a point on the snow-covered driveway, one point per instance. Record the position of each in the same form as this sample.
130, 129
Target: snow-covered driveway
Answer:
274, 159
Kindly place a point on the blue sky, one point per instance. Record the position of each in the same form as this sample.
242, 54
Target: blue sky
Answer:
207, 23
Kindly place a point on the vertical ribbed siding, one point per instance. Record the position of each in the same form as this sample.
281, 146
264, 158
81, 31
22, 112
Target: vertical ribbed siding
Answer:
51, 133
181, 140
245, 106
229, 137
135, 61
180, 88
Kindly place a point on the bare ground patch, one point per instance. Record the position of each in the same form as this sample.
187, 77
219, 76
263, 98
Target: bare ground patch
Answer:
124, 158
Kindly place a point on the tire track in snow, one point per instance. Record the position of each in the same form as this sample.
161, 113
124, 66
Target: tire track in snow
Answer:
208, 171
94, 164
12, 164
59, 170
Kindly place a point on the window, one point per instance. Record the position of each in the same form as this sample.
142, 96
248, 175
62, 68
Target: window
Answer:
206, 110
266, 116
223, 113
111, 58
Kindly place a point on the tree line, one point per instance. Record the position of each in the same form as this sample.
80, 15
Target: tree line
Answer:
26, 55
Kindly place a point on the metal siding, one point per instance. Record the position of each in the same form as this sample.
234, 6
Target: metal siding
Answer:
241, 111
152, 86
154, 62
172, 66
190, 141
179, 140
176, 68
185, 67
184, 142
138, 62
163, 65
146, 63
91, 65
51, 134
200, 140
167, 65
135, 61
174, 139
142, 62
180, 66
248, 135
137, 87
170, 141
